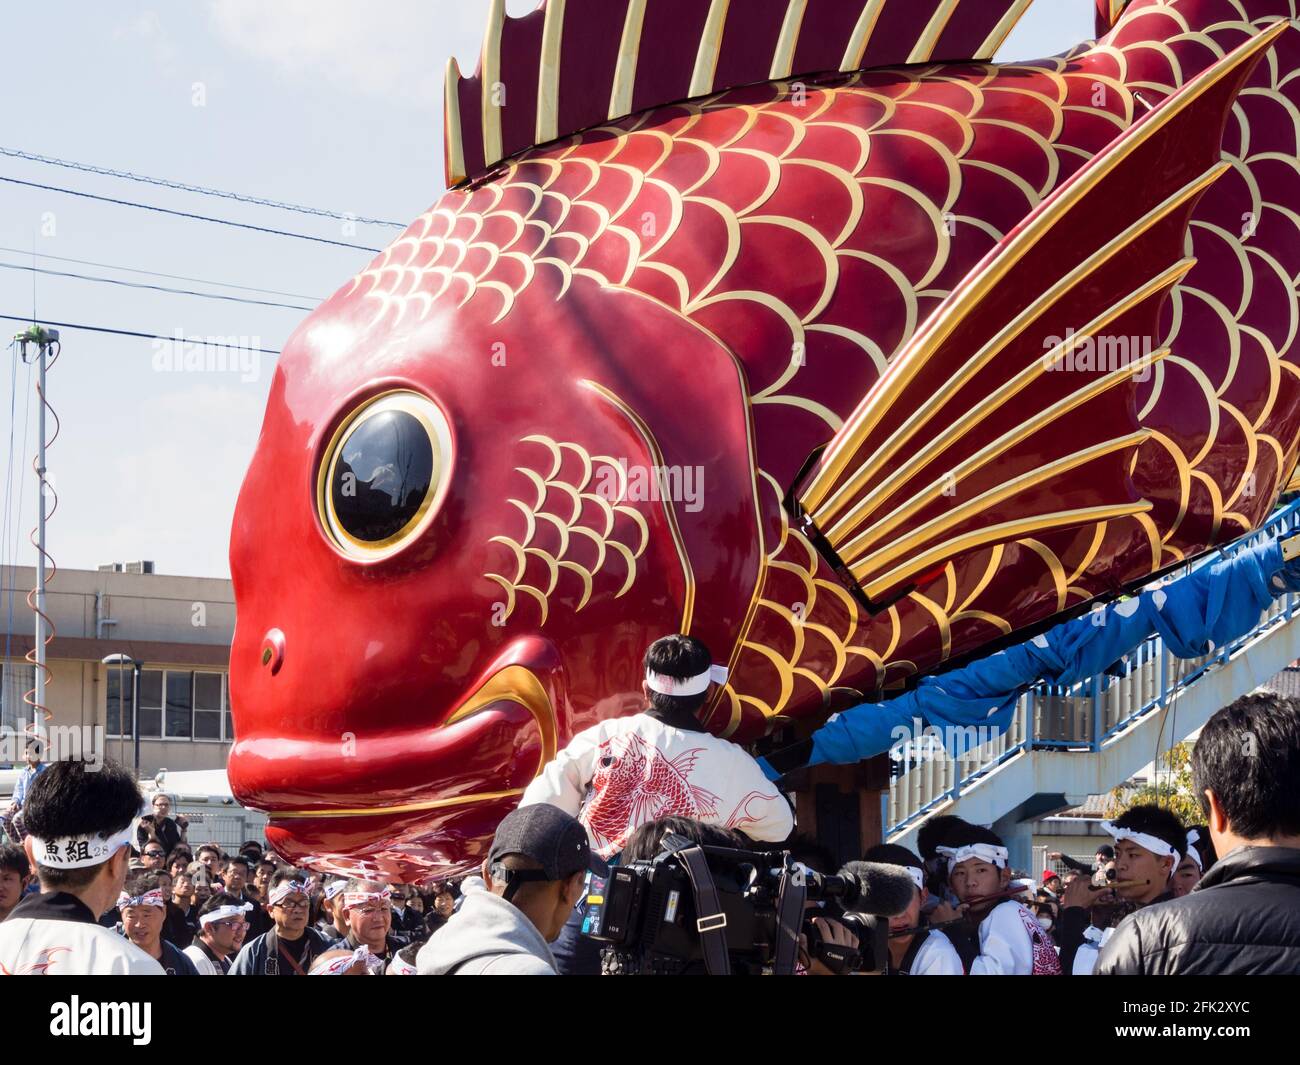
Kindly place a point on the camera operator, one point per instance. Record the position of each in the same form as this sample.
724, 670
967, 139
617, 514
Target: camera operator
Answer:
160, 827
535, 871
925, 951
691, 898
626, 771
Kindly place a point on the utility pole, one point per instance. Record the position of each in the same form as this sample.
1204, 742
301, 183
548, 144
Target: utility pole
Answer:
42, 340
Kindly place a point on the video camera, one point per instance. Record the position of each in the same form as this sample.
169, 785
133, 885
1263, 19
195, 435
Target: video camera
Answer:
700, 908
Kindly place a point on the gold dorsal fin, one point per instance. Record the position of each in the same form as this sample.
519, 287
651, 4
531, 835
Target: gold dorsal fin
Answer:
981, 432
574, 64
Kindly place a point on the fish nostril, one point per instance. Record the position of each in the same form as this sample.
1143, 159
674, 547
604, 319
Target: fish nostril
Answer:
273, 650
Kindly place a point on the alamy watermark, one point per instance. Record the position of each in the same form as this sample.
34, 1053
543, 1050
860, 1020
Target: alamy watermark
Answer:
1089, 354
629, 483
54, 743
919, 742
212, 354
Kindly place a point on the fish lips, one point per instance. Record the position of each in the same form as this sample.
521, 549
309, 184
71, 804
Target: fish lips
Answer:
429, 793
433, 794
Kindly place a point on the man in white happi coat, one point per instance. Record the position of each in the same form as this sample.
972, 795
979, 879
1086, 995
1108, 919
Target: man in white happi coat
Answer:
80, 825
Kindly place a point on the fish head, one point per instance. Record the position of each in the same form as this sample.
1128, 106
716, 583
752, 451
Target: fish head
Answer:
441, 562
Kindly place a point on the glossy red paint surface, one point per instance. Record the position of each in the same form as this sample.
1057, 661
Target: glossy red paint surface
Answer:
714, 289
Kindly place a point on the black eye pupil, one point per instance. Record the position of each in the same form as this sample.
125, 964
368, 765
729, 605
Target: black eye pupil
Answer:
382, 475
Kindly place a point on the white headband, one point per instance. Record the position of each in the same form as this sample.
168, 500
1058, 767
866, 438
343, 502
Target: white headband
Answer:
334, 887
399, 966
222, 912
285, 888
338, 966
918, 877
1194, 837
360, 898
696, 685
80, 852
1156, 846
153, 897
985, 852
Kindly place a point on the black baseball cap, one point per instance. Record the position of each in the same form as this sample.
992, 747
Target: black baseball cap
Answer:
548, 836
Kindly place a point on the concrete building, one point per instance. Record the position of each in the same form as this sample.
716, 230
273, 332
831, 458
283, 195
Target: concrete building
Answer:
178, 628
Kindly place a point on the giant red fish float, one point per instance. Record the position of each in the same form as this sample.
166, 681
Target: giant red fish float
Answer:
797, 325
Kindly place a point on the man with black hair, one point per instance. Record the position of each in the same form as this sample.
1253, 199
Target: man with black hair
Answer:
1196, 862
182, 923
1149, 844
331, 923
15, 874
80, 824
143, 906
924, 951
408, 922
262, 873
1105, 853
222, 927
290, 948
535, 870
1243, 918
625, 771
160, 827
1011, 941
929, 837
235, 879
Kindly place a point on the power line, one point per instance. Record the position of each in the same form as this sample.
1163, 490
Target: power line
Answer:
185, 214
15, 153
159, 273
154, 288
202, 341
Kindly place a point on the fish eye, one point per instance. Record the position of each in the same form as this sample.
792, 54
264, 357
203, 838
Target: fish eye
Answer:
381, 473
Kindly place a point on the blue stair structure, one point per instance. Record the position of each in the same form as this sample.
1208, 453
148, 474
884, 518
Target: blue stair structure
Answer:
1068, 742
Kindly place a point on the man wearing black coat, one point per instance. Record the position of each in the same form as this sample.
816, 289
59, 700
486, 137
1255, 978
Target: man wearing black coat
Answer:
1243, 918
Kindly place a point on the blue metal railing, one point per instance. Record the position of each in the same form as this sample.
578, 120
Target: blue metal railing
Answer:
1082, 716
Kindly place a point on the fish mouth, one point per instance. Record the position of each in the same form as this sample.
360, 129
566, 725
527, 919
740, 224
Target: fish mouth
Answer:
512, 686
423, 798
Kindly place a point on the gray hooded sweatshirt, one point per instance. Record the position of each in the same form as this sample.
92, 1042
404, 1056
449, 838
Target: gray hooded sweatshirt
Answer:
487, 936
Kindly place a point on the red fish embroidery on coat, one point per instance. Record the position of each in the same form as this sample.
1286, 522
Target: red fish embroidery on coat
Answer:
44, 959
1046, 961
636, 783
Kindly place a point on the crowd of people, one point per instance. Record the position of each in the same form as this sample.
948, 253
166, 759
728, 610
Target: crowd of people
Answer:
96, 888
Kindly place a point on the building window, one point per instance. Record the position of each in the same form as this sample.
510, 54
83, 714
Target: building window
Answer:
151, 703
175, 704
16, 678
230, 724
120, 696
207, 706
180, 705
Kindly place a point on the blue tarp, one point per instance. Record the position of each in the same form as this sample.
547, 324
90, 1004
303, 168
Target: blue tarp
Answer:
1195, 614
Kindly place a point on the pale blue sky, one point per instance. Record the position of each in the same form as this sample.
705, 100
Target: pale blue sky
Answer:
329, 103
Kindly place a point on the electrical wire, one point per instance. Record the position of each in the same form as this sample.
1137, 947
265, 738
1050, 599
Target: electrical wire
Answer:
159, 273
205, 342
153, 288
126, 175
184, 214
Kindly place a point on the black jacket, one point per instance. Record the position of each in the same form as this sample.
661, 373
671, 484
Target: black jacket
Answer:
167, 832
1242, 919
